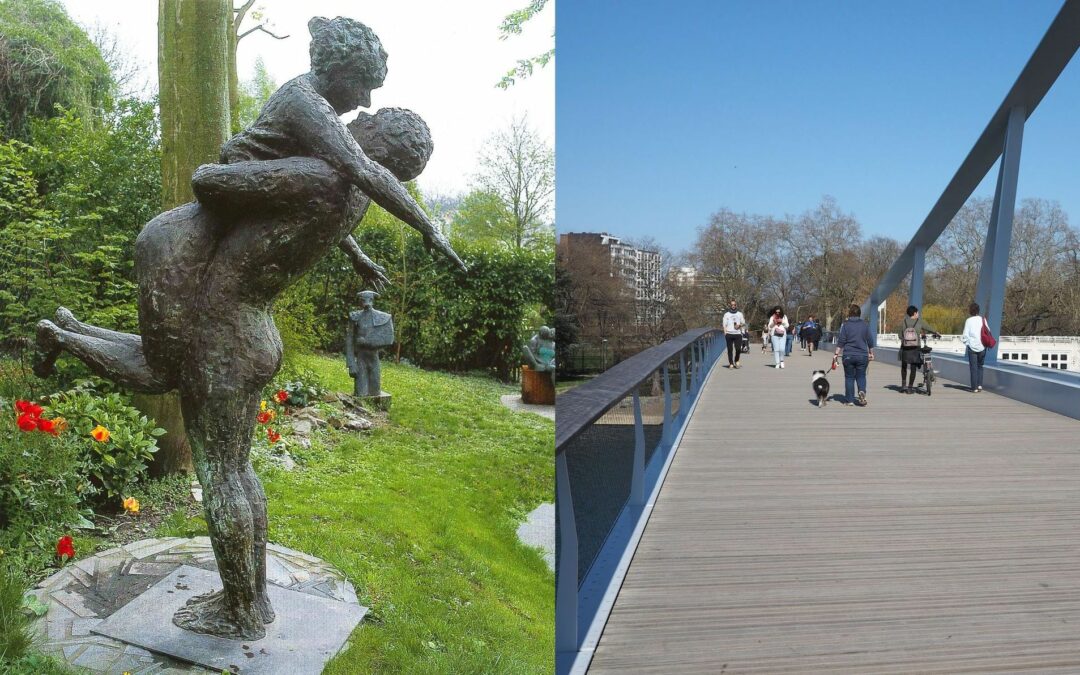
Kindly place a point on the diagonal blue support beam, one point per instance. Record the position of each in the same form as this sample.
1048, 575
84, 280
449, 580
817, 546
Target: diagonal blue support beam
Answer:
918, 267
1055, 50
990, 292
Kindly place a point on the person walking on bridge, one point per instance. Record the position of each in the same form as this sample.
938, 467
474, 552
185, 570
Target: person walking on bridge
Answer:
778, 330
734, 321
856, 344
976, 352
911, 329
811, 332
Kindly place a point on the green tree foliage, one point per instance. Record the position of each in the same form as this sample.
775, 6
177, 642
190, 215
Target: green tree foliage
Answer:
46, 61
513, 24
442, 318
71, 206
481, 216
254, 94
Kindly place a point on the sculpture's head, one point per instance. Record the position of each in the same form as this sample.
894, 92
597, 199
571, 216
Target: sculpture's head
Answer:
348, 61
396, 138
367, 299
547, 333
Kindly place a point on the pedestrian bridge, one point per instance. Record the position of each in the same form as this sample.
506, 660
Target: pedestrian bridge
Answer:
762, 534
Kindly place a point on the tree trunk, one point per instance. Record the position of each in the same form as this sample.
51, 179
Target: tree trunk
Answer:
193, 81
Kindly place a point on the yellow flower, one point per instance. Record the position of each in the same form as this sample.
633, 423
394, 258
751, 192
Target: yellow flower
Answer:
262, 406
100, 434
131, 505
60, 424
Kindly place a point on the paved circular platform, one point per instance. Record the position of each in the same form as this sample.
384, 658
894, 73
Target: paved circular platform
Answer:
514, 402
88, 591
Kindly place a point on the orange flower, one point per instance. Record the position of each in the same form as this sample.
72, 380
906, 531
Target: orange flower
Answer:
131, 505
273, 435
265, 417
60, 424
100, 434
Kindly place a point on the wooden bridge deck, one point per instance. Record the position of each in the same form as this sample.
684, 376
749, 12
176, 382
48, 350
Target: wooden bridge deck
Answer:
915, 535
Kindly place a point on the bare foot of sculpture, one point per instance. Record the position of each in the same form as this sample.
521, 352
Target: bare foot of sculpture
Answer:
213, 614
50, 345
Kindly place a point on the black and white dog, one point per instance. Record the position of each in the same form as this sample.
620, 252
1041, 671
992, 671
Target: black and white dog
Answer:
820, 384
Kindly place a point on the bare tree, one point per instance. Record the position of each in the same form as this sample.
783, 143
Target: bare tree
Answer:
519, 167
129, 80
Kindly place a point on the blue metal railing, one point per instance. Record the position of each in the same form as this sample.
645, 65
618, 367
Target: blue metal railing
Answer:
614, 438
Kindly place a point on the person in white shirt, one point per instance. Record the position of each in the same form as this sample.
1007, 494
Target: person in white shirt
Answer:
976, 352
778, 328
734, 321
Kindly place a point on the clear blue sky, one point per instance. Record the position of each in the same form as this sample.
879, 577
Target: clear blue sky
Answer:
669, 111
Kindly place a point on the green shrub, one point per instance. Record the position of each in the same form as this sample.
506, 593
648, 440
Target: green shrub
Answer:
119, 462
15, 636
41, 487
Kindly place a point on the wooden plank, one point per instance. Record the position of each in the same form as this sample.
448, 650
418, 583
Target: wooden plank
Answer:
919, 534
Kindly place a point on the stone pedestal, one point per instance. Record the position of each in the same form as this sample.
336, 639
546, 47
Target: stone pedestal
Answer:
537, 387
380, 402
84, 597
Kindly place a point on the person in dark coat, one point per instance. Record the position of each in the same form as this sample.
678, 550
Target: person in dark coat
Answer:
910, 354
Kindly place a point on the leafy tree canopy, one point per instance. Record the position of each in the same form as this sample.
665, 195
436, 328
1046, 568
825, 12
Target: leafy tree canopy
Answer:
46, 60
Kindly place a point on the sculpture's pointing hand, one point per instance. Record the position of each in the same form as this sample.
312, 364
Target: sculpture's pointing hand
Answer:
436, 240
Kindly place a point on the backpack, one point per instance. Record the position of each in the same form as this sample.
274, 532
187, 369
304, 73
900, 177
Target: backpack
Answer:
910, 337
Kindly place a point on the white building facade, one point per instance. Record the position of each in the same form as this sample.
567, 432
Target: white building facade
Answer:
1046, 351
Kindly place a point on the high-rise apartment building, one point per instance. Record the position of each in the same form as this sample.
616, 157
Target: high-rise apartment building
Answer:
640, 269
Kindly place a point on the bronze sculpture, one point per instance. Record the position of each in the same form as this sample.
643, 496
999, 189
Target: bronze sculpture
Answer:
369, 331
287, 190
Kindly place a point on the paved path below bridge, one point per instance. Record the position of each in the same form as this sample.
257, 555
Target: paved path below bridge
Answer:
919, 534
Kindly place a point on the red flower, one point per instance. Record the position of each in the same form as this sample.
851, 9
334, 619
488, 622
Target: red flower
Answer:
281, 396
28, 422
48, 426
28, 408
263, 417
65, 548
273, 435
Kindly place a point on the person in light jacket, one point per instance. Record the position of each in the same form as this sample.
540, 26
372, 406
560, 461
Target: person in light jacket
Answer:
778, 330
976, 352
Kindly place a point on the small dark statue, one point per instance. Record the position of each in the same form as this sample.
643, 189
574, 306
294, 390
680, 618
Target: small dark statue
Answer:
288, 189
369, 331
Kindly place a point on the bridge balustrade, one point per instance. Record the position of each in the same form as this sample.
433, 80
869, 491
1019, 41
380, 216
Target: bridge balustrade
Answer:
614, 436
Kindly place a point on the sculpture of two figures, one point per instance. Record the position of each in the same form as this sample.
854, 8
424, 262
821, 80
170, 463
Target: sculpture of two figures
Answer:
538, 371
369, 331
288, 189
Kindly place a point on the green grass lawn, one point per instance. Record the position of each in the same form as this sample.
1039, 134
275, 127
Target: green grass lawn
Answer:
421, 516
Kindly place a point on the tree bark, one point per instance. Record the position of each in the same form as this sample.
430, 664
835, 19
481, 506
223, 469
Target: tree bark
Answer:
194, 67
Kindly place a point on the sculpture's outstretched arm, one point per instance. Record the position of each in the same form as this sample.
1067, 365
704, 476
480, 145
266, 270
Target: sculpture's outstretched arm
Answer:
332, 142
368, 270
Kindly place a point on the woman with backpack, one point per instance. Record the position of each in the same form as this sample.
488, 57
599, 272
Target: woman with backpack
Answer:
911, 328
778, 330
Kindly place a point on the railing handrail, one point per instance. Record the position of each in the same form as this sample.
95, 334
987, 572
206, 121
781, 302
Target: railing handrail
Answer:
579, 407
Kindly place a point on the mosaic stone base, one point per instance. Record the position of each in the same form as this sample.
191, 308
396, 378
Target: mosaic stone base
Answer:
88, 591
